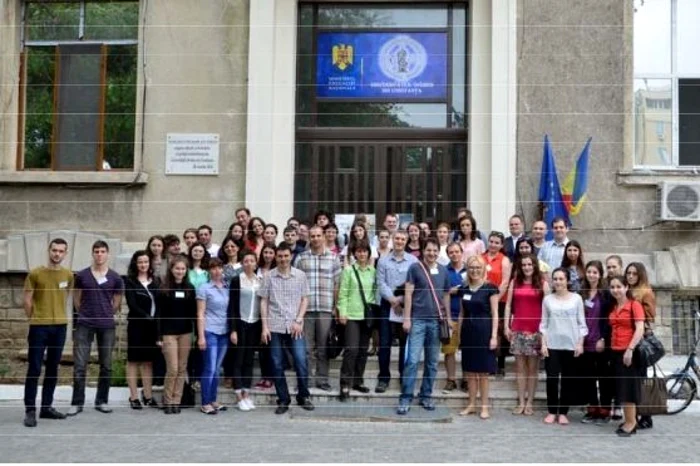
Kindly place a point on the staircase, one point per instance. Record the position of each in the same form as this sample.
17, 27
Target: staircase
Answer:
503, 391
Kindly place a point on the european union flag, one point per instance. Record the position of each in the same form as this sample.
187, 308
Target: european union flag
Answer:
550, 190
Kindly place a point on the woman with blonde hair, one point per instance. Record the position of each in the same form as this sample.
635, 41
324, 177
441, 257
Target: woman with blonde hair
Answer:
478, 322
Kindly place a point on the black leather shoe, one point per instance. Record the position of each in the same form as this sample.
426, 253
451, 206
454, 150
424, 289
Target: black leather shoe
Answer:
381, 387
135, 404
645, 422
175, 409
168, 410
344, 394
281, 409
326, 387
51, 413
306, 404
361, 388
623, 433
30, 419
103, 408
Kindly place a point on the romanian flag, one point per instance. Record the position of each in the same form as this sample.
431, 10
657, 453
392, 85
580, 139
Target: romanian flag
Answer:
575, 185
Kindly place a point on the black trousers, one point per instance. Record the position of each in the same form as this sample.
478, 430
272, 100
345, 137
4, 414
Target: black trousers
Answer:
43, 340
243, 353
503, 343
596, 379
355, 353
561, 382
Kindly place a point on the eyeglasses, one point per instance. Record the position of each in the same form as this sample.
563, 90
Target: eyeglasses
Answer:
475, 269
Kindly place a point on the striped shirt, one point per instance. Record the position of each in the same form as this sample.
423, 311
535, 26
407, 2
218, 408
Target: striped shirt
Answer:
284, 294
323, 273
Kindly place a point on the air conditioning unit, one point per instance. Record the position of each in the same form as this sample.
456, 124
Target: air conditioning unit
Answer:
678, 201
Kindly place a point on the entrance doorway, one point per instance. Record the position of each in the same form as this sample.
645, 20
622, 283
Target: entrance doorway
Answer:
426, 179
381, 109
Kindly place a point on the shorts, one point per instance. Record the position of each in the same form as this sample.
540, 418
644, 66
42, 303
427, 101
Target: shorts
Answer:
526, 344
453, 345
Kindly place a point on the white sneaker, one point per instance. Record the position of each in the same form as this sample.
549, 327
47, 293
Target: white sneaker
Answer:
243, 406
250, 403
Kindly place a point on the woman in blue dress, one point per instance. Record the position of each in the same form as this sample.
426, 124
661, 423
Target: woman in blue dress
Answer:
478, 321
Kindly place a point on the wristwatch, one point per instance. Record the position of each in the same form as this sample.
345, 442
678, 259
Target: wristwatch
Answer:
298, 321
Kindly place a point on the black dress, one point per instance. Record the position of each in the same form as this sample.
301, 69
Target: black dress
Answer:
476, 330
141, 333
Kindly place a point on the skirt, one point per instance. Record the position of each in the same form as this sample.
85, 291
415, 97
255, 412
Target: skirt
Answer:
628, 380
526, 344
141, 338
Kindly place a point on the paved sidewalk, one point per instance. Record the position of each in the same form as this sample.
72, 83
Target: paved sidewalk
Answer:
151, 436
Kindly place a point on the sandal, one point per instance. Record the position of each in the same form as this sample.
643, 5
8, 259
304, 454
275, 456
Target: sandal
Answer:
219, 407
484, 415
468, 411
135, 404
208, 410
549, 419
563, 420
518, 410
528, 411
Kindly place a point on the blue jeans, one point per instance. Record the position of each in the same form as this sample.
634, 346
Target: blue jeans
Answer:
424, 336
278, 343
213, 357
82, 342
49, 340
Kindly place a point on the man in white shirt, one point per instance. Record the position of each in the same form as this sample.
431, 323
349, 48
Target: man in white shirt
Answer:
391, 223
553, 251
204, 236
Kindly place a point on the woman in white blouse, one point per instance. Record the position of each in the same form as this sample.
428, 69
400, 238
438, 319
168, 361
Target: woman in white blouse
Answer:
244, 313
563, 328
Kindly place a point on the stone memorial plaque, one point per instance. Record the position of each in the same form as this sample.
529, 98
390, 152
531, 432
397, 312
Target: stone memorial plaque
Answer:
192, 154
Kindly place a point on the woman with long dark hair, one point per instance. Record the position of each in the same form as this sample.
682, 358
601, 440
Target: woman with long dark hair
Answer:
469, 239
198, 259
563, 328
157, 254
270, 233
330, 232
524, 303
236, 231
638, 280
229, 255
414, 245
595, 383
265, 264
254, 239
573, 262
140, 291
627, 322
358, 234
176, 310
189, 237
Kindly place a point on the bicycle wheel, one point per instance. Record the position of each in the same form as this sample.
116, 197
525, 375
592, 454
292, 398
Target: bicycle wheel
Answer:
681, 392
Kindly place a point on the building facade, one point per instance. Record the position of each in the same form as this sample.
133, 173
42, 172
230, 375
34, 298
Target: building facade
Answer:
96, 98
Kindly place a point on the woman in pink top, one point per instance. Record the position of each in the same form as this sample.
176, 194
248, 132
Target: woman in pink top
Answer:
525, 295
471, 245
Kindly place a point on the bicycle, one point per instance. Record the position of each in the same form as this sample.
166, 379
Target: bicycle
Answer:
681, 386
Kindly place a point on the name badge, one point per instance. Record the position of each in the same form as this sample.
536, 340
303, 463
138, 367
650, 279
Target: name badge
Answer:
588, 303
102, 280
63, 285
434, 271
179, 294
488, 267
467, 297
237, 266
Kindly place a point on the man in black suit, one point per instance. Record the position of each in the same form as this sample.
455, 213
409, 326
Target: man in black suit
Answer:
516, 225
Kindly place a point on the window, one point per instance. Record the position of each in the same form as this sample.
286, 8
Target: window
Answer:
78, 97
666, 84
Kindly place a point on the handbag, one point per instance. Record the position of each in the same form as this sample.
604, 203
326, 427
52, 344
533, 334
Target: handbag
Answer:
443, 324
371, 310
649, 350
188, 396
654, 396
335, 342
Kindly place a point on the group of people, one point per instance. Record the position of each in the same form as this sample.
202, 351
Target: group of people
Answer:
210, 308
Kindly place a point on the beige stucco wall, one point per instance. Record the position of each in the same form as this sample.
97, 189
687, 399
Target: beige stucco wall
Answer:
575, 78
194, 65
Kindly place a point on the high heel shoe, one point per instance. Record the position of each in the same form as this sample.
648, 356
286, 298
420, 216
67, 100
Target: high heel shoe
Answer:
621, 432
135, 404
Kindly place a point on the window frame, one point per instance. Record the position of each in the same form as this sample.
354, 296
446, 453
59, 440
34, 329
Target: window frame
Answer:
25, 45
674, 76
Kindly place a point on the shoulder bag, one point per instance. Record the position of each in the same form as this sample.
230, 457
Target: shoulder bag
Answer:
649, 350
443, 324
371, 310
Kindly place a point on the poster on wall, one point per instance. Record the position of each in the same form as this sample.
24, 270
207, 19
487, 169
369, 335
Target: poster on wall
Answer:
345, 222
382, 65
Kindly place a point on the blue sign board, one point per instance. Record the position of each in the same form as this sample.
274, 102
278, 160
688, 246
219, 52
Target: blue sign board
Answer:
382, 65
